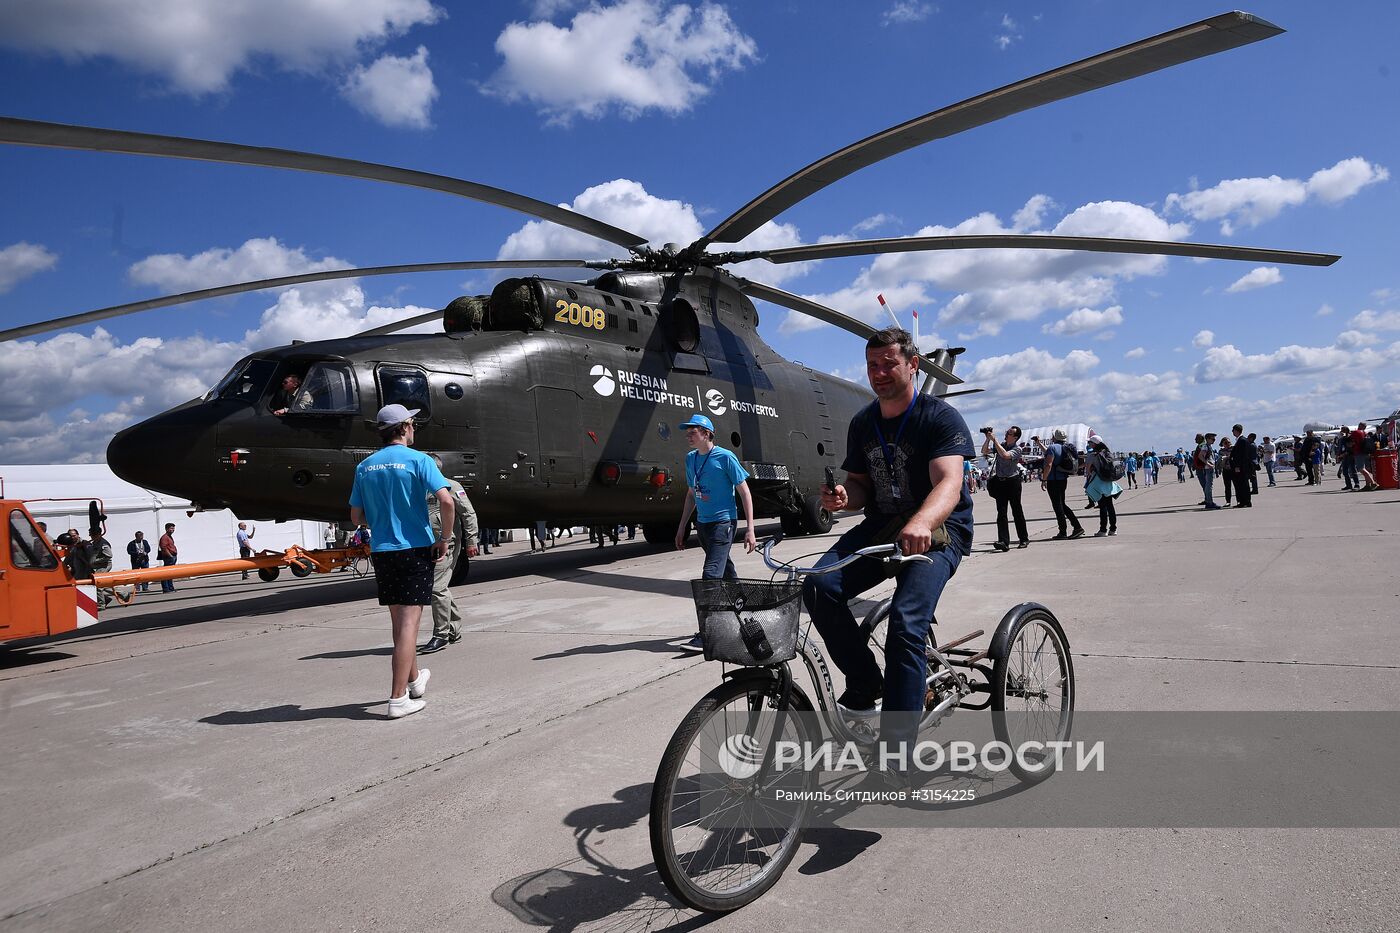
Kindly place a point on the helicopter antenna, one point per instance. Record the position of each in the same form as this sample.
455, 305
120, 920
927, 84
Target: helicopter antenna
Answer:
884, 304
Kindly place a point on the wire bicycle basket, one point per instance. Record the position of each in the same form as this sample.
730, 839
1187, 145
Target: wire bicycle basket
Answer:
748, 622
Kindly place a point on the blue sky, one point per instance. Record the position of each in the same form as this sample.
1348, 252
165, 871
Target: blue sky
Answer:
663, 118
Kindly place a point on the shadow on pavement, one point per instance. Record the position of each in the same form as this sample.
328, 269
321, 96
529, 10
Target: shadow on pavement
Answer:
589, 893
658, 645
12, 657
290, 713
632, 583
382, 651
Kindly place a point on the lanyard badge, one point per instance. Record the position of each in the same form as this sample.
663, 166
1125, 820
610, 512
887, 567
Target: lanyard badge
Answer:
885, 448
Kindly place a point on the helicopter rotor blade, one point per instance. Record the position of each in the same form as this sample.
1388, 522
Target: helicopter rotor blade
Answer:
831, 316
396, 326
102, 314
1217, 34
1031, 241
65, 136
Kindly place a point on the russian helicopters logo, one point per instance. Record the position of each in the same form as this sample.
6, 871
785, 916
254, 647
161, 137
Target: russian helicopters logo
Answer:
603, 380
740, 756
715, 400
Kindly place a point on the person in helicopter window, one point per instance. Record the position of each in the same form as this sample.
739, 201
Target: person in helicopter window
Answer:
281, 402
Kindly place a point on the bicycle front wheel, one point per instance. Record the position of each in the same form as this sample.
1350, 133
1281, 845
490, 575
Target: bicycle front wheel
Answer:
1033, 692
721, 834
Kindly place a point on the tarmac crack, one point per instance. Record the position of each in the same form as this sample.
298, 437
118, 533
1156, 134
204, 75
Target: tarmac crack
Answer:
321, 804
1283, 663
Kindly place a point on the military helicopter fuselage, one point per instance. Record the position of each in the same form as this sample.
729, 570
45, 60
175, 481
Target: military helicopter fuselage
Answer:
556, 400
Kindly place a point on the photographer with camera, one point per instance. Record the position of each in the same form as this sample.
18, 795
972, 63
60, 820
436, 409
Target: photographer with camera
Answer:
1005, 458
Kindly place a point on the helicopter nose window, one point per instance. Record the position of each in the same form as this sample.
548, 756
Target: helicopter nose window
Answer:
401, 385
246, 381
329, 388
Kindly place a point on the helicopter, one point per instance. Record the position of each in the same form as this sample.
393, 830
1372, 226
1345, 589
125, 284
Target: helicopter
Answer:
558, 399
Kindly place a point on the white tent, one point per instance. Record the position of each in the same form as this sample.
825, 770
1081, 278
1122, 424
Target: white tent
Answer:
58, 494
1077, 434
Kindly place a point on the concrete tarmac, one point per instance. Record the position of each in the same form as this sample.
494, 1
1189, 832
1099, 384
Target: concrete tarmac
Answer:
217, 758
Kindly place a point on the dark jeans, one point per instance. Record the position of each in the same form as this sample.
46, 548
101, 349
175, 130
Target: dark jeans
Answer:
1108, 515
1269, 468
916, 594
715, 539
245, 553
167, 586
1242, 491
1227, 479
1253, 475
1056, 489
1007, 492
1349, 471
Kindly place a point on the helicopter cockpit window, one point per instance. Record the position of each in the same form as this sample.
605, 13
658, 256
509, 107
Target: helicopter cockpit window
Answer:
329, 388
406, 387
246, 381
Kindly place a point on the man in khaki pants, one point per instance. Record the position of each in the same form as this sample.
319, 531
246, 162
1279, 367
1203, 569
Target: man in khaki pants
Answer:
447, 618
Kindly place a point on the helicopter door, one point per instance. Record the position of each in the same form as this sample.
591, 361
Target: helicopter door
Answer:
557, 420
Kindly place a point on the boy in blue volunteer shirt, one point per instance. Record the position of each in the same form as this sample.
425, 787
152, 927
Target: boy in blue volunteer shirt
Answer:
713, 475
391, 493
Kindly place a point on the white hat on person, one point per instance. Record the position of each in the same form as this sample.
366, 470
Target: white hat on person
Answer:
393, 415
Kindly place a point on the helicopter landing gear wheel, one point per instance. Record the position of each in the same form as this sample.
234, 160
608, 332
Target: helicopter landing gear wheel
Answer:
659, 534
815, 519
269, 574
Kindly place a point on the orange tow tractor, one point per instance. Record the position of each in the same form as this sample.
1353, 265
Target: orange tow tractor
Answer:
40, 596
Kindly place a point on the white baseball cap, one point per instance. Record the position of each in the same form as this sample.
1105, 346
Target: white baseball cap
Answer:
392, 415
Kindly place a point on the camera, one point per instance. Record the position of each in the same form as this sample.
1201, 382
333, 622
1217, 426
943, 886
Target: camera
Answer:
988, 431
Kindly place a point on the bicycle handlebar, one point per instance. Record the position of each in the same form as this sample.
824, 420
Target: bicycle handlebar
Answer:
886, 552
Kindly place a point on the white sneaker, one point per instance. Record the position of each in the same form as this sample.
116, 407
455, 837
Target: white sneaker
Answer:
418, 687
404, 706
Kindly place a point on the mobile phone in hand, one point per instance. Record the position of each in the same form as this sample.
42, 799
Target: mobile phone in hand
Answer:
830, 483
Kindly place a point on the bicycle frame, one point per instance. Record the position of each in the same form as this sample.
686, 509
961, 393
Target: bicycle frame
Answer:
949, 686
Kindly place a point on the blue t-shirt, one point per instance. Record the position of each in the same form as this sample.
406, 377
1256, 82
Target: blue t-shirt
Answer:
713, 476
1130, 465
934, 429
392, 486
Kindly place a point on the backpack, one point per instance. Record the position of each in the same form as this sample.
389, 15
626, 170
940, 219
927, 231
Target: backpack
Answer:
1068, 461
1109, 471
1368, 445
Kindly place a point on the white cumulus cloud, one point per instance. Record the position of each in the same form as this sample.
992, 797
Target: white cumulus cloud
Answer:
258, 258
1136, 353
395, 91
1376, 320
198, 46
906, 11
1084, 320
19, 261
627, 204
633, 56
1203, 338
1248, 202
1260, 277
1227, 362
